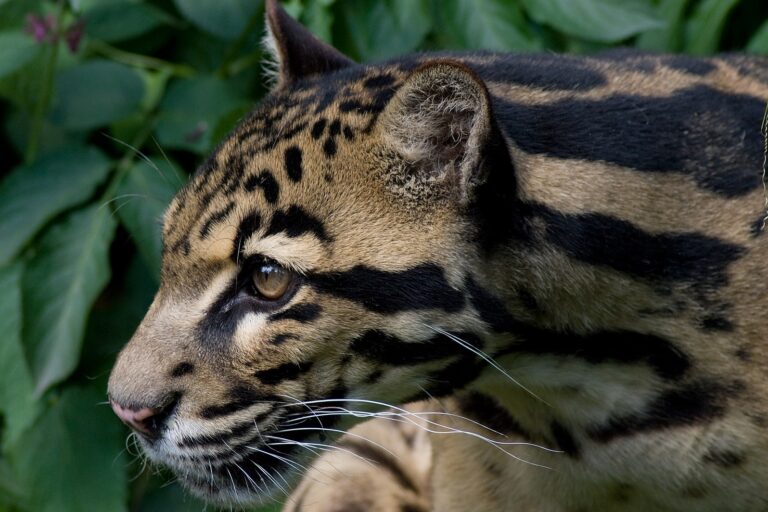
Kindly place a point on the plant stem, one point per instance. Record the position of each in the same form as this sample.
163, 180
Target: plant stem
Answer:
139, 61
43, 101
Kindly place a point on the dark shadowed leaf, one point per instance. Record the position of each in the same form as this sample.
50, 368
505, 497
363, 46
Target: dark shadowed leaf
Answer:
490, 25
384, 28
191, 110
223, 18
31, 196
143, 196
71, 460
17, 402
706, 25
56, 303
16, 50
318, 18
604, 21
124, 20
759, 42
96, 93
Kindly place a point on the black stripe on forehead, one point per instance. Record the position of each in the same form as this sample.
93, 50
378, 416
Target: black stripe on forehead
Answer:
266, 182
295, 222
215, 218
422, 287
247, 227
700, 131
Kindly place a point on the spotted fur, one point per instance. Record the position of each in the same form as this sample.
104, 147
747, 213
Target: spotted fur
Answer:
563, 255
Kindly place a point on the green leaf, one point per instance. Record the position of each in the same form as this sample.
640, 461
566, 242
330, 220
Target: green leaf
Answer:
144, 195
96, 93
759, 41
31, 196
379, 29
670, 37
223, 18
121, 21
706, 24
62, 280
17, 401
318, 18
489, 25
604, 21
71, 460
191, 110
16, 50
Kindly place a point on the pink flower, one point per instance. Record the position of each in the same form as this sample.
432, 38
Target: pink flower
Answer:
41, 28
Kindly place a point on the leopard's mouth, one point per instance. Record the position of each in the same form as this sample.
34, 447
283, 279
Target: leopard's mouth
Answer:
244, 464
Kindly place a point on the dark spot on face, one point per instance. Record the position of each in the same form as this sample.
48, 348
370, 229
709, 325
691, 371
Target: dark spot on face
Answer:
716, 323
293, 163
335, 128
245, 229
300, 313
328, 178
724, 458
295, 222
240, 397
329, 147
744, 354
281, 338
215, 218
388, 349
183, 368
318, 128
348, 133
267, 183
564, 439
287, 371
374, 377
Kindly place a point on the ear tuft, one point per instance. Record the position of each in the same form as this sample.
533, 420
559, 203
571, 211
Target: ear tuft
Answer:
439, 122
295, 52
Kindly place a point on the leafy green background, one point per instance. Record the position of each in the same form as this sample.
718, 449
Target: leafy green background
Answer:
107, 105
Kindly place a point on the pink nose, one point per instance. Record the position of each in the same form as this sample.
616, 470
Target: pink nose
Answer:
139, 420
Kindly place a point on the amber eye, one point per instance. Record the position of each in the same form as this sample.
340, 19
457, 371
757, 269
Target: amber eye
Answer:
271, 281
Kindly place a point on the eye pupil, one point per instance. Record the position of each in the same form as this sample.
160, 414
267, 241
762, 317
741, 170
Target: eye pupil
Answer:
271, 281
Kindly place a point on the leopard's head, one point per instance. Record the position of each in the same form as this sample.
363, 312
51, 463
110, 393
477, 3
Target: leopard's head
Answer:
323, 261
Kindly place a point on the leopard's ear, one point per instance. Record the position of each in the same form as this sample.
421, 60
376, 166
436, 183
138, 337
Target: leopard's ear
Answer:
439, 123
295, 52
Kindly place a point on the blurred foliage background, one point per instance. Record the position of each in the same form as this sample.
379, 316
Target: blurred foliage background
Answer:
107, 105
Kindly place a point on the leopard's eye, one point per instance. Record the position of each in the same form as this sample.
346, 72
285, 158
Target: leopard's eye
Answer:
271, 281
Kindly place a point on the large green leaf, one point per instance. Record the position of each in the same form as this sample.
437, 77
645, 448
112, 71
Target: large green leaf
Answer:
119, 21
191, 109
379, 29
96, 93
489, 25
17, 402
759, 41
71, 460
223, 18
31, 196
604, 21
706, 26
143, 196
670, 37
61, 282
16, 50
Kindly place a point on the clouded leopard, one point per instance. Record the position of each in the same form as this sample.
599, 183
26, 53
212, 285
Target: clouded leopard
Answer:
561, 259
